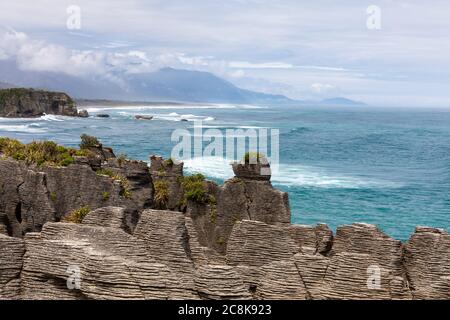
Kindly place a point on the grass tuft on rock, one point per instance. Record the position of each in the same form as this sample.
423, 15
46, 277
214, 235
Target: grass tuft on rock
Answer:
161, 193
39, 152
195, 189
124, 183
88, 141
105, 196
78, 215
253, 157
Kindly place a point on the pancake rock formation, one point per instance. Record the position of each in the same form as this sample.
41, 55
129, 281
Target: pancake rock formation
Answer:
183, 237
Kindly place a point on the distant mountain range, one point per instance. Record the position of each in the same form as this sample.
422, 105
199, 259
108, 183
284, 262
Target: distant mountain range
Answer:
166, 84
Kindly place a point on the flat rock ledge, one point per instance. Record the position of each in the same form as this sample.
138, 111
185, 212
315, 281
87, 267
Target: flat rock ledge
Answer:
234, 242
162, 259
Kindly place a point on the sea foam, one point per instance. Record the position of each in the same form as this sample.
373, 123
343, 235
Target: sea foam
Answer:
287, 175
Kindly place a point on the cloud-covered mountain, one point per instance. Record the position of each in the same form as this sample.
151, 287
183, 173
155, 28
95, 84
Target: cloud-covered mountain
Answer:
194, 86
166, 84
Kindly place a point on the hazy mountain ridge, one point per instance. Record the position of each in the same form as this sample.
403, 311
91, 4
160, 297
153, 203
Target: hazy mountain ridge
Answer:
166, 84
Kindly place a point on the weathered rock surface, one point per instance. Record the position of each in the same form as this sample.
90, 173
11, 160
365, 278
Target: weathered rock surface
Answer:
30, 196
11, 260
167, 175
162, 259
238, 244
3, 224
427, 263
312, 239
28, 103
249, 196
111, 217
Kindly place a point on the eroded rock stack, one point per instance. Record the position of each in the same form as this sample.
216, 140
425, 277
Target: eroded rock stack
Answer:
239, 245
33, 195
28, 103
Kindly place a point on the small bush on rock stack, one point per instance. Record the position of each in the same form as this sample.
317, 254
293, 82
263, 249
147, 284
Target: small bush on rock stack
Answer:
161, 194
253, 157
195, 189
78, 215
88, 141
39, 152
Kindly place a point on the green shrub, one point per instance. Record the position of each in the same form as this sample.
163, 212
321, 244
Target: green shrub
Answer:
168, 162
124, 183
105, 196
88, 141
252, 156
161, 193
121, 158
195, 188
105, 172
53, 196
78, 215
38, 152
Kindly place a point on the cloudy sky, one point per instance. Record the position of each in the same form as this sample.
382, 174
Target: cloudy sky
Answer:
303, 49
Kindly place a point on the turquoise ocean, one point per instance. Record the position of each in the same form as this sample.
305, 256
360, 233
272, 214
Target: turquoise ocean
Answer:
386, 166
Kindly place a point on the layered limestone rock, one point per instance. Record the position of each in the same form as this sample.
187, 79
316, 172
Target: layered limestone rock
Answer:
363, 263
162, 259
249, 195
427, 263
167, 177
31, 196
11, 261
224, 242
111, 263
3, 224
28, 103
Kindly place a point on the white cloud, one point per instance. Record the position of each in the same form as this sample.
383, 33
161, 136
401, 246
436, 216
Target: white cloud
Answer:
35, 55
265, 65
237, 73
321, 88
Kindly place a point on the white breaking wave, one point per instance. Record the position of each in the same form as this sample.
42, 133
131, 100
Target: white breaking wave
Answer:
27, 128
169, 117
51, 117
287, 175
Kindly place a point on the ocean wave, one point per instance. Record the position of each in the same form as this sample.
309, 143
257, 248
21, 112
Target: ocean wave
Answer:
45, 117
300, 130
25, 128
173, 116
51, 117
289, 175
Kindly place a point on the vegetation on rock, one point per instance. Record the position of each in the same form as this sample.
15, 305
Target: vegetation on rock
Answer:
161, 193
195, 189
39, 152
78, 215
88, 141
121, 158
168, 162
253, 157
105, 196
124, 183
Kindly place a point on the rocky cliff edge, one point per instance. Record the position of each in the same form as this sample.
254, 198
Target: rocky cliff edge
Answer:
182, 237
